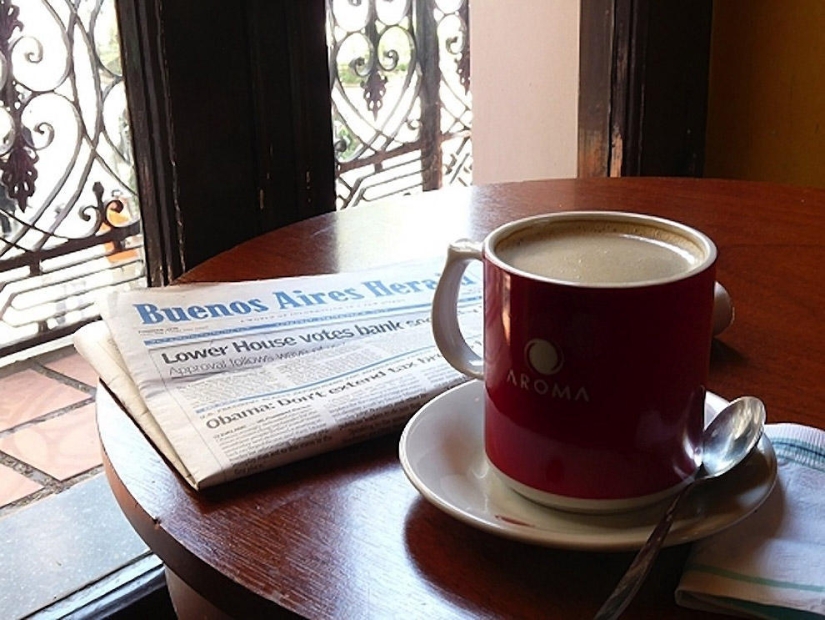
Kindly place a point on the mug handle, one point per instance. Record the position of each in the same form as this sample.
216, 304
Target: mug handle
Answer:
446, 330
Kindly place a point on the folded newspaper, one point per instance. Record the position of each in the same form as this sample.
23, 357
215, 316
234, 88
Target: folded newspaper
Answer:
228, 379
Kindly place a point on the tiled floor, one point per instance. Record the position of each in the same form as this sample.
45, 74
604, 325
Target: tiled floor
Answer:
66, 550
48, 439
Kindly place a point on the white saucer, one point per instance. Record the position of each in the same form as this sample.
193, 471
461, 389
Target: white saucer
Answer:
442, 453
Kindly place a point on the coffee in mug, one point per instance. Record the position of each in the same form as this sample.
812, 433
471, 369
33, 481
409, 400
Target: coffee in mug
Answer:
599, 253
597, 335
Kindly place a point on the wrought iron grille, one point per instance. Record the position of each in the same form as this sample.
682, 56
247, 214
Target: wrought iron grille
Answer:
68, 204
401, 106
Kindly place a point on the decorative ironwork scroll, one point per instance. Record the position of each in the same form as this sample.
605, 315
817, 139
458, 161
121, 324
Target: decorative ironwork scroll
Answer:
69, 223
401, 106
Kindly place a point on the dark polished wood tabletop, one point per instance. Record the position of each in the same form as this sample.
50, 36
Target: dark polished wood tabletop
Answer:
345, 535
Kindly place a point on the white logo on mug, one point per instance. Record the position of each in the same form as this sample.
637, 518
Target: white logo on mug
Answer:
543, 357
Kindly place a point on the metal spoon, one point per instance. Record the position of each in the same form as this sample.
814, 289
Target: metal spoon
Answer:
727, 440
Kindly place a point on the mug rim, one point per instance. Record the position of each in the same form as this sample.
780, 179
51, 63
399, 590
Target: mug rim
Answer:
696, 236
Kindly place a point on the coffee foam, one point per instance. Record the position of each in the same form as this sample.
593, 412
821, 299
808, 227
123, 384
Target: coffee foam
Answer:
600, 252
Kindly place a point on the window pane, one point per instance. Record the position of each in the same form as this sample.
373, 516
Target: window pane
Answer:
69, 217
401, 105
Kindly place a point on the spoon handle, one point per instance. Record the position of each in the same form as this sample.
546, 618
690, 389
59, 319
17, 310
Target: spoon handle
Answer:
638, 570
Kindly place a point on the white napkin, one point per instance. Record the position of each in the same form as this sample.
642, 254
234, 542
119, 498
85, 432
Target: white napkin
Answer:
771, 564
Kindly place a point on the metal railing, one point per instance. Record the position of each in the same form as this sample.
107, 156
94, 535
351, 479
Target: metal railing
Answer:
401, 108
69, 224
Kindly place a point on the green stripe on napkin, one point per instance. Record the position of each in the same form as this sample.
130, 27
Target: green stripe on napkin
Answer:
774, 583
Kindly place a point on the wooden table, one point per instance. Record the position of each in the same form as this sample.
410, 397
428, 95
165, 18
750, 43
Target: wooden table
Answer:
345, 535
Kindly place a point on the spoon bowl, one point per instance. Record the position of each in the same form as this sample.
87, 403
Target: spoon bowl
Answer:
730, 437
726, 442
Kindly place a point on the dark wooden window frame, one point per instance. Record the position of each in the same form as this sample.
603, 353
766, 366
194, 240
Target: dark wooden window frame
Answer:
230, 116
643, 87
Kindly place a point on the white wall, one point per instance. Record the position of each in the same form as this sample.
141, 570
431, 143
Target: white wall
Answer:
525, 86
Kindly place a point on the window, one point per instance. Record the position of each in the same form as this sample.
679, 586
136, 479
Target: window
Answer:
401, 106
69, 223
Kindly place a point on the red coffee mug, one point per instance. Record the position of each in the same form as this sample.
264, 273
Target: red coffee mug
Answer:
595, 385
